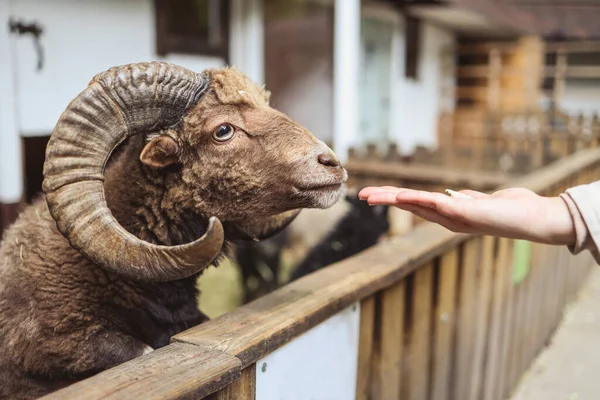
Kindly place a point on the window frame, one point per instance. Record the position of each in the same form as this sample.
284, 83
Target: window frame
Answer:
171, 43
413, 34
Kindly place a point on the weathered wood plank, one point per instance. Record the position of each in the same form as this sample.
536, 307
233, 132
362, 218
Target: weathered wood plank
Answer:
445, 317
391, 349
517, 335
177, 371
420, 333
501, 289
243, 388
365, 349
506, 251
466, 324
483, 299
532, 320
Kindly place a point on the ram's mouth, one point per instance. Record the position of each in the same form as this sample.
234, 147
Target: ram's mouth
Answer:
320, 195
325, 187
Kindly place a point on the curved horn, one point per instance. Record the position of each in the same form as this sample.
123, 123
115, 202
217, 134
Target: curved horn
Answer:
119, 103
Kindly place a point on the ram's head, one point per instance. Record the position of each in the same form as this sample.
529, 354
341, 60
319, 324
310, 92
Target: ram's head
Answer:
239, 161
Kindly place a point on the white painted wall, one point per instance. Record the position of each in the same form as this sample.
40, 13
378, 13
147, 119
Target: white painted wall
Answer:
321, 364
418, 103
82, 38
11, 174
581, 96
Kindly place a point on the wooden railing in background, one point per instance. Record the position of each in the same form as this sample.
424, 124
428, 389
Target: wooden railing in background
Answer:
431, 315
500, 144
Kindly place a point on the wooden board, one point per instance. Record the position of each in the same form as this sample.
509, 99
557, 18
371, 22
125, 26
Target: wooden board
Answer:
445, 319
467, 307
240, 389
501, 289
172, 372
481, 317
388, 378
420, 334
365, 348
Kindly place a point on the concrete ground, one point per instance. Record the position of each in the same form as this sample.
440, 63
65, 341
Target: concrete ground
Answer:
569, 369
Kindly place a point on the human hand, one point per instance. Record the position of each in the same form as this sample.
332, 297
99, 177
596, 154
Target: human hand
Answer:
515, 213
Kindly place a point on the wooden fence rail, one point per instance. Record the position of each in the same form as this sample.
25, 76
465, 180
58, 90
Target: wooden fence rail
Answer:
431, 315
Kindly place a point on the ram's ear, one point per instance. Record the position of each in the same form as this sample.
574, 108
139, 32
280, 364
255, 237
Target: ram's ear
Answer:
160, 152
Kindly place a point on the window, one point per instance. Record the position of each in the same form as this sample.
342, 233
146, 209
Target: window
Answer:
413, 43
192, 27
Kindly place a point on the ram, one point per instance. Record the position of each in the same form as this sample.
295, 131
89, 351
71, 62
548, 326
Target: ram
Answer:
102, 268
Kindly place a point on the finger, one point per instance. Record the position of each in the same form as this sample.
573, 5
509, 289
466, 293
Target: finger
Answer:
432, 215
382, 198
423, 198
367, 191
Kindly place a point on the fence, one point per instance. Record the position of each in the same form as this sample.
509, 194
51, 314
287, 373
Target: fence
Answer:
430, 315
517, 143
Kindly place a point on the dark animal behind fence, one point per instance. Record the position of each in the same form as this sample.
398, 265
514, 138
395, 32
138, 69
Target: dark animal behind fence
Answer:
359, 229
260, 265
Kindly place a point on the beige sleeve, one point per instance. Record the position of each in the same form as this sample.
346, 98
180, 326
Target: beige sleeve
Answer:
584, 205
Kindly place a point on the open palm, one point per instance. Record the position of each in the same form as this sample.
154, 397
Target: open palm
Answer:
516, 213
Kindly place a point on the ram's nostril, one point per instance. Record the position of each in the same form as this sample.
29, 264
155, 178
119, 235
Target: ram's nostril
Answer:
329, 160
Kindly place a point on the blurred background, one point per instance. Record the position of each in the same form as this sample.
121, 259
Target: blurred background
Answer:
486, 89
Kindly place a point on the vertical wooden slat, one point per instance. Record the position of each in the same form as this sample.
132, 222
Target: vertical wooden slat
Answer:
553, 303
444, 321
532, 310
516, 335
241, 389
365, 348
556, 284
501, 289
507, 323
420, 333
538, 268
388, 372
524, 350
466, 325
548, 293
565, 263
483, 299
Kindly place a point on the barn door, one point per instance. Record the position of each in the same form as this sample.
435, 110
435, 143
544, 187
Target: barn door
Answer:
375, 81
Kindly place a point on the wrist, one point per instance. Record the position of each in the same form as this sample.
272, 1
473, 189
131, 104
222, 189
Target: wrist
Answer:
560, 228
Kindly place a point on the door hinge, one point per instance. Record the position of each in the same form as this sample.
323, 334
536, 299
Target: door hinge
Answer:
34, 29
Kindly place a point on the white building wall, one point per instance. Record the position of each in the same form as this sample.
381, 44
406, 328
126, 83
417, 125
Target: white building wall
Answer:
82, 38
581, 96
417, 104
11, 182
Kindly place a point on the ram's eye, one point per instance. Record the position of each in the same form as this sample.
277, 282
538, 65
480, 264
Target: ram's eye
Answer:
224, 133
